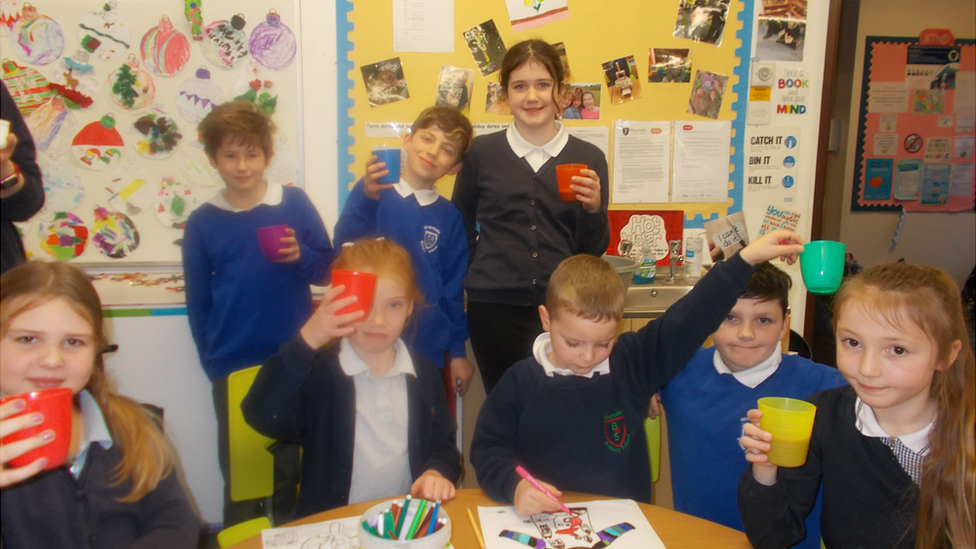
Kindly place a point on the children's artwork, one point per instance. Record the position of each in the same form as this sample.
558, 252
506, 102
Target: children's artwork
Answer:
225, 42
928, 101
727, 235
256, 87
528, 14
9, 15
272, 43
37, 38
198, 95
635, 226
156, 134
781, 30
98, 146
174, 202
63, 189
619, 524
75, 81
196, 169
495, 101
331, 534
104, 33
64, 237
585, 101
165, 49
131, 87
669, 65
385, 82
193, 11
622, 80
707, 93
114, 234
130, 192
27, 87
702, 21
486, 46
454, 87
47, 123
564, 59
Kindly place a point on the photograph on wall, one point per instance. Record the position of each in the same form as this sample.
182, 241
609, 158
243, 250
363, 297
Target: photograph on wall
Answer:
669, 65
529, 14
486, 46
707, 93
495, 101
623, 82
781, 29
580, 101
701, 20
385, 82
454, 87
564, 59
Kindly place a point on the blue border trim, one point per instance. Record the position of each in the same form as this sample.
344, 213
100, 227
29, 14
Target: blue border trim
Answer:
344, 103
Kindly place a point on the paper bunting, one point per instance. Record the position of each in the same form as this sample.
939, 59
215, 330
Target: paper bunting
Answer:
272, 43
65, 237
225, 43
131, 87
37, 38
104, 33
165, 49
27, 87
198, 95
63, 189
174, 202
98, 145
114, 234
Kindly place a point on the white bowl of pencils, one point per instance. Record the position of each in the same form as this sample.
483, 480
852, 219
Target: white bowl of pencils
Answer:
410, 523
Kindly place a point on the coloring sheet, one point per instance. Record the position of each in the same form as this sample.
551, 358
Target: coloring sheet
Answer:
331, 534
619, 524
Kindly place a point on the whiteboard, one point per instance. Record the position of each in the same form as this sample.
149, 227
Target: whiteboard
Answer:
145, 179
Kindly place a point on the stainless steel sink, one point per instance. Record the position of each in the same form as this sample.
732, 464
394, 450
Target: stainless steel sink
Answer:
651, 300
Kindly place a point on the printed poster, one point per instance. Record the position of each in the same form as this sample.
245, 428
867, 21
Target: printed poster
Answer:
771, 164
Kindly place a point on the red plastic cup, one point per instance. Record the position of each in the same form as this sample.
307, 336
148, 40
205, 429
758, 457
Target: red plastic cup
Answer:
564, 177
56, 405
357, 283
270, 240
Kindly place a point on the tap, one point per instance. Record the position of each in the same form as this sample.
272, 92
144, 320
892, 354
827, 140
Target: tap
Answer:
675, 246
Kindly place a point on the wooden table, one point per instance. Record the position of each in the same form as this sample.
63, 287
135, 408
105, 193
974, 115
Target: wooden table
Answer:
677, 530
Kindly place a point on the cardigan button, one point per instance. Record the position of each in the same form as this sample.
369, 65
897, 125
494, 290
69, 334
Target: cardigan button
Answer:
532, 202
535, 254
532, 227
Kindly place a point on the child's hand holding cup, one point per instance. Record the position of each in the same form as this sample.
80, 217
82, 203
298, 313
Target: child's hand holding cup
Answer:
348, 300
46, 413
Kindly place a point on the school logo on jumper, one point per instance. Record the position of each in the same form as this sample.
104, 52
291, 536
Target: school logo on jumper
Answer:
429, 243
615, 430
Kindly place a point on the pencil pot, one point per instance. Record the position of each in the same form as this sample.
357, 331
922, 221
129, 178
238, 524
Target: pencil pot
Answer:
407, 524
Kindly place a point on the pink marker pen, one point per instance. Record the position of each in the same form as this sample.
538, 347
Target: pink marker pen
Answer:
538, 486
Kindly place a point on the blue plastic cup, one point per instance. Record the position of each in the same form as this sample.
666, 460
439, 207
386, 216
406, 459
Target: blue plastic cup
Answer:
392, 159
822, 265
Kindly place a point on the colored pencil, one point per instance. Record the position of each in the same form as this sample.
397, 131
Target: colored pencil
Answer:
417, 518
477, 531
423, 529
433, 517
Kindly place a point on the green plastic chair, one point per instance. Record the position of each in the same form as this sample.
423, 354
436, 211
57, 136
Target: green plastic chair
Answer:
242, 531
652, 428
251, 464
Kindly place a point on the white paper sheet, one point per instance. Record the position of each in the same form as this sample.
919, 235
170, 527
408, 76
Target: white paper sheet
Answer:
641, 161
598, 136
771, 164
701, 161
621, 521
338, 534
423, 26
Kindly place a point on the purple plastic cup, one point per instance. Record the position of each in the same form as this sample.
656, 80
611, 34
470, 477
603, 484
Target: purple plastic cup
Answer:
270, 240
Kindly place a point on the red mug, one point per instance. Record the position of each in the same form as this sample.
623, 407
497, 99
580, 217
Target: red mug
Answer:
56, 405
357, 283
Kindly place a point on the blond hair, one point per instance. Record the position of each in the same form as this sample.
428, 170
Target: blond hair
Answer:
147, 455
451, 121
588, 287
242, 121
927, 299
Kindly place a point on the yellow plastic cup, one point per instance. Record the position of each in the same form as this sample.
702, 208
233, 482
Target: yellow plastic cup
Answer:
790, 421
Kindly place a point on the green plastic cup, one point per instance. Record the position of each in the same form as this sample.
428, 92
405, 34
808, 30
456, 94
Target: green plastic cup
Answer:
790, 421
822, 265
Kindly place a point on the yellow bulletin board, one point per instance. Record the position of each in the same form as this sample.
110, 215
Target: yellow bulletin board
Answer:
595, 32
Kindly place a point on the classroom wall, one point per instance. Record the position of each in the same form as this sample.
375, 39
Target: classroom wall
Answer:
946, 240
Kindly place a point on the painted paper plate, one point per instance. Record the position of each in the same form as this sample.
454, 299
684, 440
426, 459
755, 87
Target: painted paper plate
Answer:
75, 81
155, 134
256, 86
98, 145
225, 43
27, 87
174, 202
114, 234
198, 95
51, 125
131, 87
165, 49
64, 237
37, 38
104, 33
196, 169
272, 43
63, 190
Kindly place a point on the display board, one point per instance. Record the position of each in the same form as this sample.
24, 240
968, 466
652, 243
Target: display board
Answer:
113, 91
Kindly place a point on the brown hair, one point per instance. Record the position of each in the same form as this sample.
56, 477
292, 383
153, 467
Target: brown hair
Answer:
768, 283
538, 51
147, 456
587, 287
243, 121
455, 125
927, 299
382, 258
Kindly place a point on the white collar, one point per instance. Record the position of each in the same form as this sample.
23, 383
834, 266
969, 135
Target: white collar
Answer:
272, 197
425, 197
867, 424
95, 428
543, 346
523, 147
751, 377
351, 363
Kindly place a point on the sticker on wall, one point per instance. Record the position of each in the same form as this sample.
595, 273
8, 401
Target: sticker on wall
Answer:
174, 202
255, 86
385, 82
98, 145
131, 87
156, 134
196, 169
164, 49
64, 237
63, 189
272, 43
193, 11
47, 122
225, 43
75, 81
37, 38
27, 87
114, 234
9, 15
104, 33
198, 95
